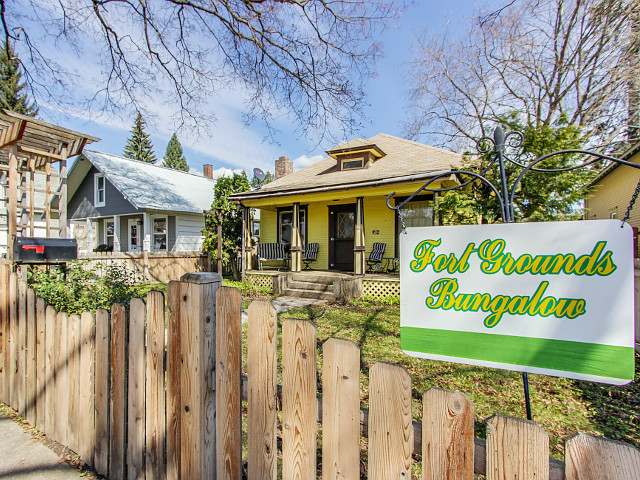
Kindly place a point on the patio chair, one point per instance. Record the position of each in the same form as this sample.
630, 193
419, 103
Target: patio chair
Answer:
310, 254
375, 257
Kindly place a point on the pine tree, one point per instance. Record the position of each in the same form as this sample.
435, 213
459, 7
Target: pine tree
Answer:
173, 158
139, 146
11, 97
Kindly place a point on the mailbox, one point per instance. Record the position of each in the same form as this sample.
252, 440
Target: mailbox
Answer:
44, 250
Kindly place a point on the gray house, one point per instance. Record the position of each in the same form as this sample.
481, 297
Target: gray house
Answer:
123, 205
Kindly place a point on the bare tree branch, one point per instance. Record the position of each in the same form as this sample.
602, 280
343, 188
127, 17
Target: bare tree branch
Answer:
304, 58
549, 61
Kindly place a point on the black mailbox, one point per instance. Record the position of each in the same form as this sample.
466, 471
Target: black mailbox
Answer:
44, 250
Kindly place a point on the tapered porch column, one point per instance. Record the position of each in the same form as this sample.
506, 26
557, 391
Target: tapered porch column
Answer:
246, 243
358, 242
296, 240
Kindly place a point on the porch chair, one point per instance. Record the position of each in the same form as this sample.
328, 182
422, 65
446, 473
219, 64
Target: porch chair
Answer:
310, 254
375, 257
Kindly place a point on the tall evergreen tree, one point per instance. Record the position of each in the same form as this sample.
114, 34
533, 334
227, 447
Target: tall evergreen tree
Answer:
11, 96
139, 146
173, 158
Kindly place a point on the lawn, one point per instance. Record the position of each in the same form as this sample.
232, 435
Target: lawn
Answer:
561, 406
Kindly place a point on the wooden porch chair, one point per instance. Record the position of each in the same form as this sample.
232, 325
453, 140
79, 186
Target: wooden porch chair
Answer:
375, 257
310, 254
272, 252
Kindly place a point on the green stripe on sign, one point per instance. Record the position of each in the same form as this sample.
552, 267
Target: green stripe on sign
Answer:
578, 357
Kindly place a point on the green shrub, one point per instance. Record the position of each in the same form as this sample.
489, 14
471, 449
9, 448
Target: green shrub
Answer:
390, 300
81, 287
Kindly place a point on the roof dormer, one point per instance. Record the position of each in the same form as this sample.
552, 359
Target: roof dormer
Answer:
356, 157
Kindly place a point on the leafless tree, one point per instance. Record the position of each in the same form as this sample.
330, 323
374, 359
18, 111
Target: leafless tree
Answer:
306, 58
548, 60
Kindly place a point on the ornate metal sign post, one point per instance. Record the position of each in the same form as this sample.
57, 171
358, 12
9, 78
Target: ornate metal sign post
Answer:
496, 149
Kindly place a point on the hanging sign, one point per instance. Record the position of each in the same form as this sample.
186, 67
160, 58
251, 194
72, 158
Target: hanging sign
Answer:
554, 298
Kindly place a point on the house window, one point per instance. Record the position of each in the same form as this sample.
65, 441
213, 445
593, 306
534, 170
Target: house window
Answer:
109, 233
352, 164
255, 228
285, 224
99, 196
160, 233
418, 213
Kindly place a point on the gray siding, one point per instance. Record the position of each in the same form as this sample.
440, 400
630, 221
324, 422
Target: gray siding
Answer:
81, 204
171, 232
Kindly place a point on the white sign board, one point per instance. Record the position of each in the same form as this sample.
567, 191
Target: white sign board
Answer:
554, 298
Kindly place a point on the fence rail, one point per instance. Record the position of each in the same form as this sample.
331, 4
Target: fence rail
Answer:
151, 267
101, 384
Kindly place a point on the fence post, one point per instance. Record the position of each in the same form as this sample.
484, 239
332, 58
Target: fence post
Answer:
191, 408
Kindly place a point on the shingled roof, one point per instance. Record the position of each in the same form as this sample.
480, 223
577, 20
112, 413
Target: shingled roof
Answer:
148, 186
402, 158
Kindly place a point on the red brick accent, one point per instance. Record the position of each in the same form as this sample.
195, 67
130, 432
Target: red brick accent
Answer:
284, 167
207, 169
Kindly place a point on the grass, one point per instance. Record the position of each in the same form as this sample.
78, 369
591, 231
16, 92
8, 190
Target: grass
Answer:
561, 406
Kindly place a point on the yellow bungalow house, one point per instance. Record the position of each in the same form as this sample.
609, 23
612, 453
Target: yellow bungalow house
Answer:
340, 202
614, 187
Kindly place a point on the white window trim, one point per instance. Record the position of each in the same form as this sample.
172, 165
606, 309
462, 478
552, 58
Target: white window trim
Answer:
140, 237
104, 226
166, 233
96, 203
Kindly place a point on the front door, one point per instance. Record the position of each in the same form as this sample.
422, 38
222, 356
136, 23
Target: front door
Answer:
342, 229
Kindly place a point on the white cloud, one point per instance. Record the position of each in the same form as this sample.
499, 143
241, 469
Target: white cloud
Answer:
305, 161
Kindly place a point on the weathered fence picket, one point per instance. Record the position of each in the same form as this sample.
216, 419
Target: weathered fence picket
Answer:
261, 397
390, 429
136, 400
299, 409
102, 388
117, 405
228, 383
41, 373
340, 409
80, 380
447, 435
154, 388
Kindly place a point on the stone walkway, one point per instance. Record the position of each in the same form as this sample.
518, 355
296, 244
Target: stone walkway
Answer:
23, 457
284, 303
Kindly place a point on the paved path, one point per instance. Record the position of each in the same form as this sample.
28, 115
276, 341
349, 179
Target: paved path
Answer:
284, 303
23, 457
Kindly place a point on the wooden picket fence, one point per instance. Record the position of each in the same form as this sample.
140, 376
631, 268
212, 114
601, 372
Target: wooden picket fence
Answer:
140, 396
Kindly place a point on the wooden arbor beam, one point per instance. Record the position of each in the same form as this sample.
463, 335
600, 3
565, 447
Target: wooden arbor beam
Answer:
13, 133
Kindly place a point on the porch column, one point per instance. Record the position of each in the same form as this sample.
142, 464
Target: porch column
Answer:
246, 231
91, 242
296, 240
358, 241
116, 233
146, 232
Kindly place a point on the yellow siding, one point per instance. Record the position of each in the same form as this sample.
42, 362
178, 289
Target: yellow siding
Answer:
318, 231
613, 193
377, 216
268, 226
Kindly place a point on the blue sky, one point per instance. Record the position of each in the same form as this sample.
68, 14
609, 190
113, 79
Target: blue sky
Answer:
232, 145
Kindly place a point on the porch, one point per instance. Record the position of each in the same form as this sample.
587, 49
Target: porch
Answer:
327, 284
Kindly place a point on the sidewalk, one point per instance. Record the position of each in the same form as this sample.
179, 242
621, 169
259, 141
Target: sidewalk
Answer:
23, 457
284, 304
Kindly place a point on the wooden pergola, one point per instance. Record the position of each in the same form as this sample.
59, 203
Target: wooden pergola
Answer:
29, 147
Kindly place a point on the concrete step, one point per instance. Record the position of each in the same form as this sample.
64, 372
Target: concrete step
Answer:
324, 287
314, 278
296, 292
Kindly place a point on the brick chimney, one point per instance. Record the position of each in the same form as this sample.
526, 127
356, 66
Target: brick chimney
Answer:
284, 167
207, 169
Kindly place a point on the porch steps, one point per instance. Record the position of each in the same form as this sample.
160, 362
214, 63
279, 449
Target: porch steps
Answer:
317, 294
324, 287
307, 285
